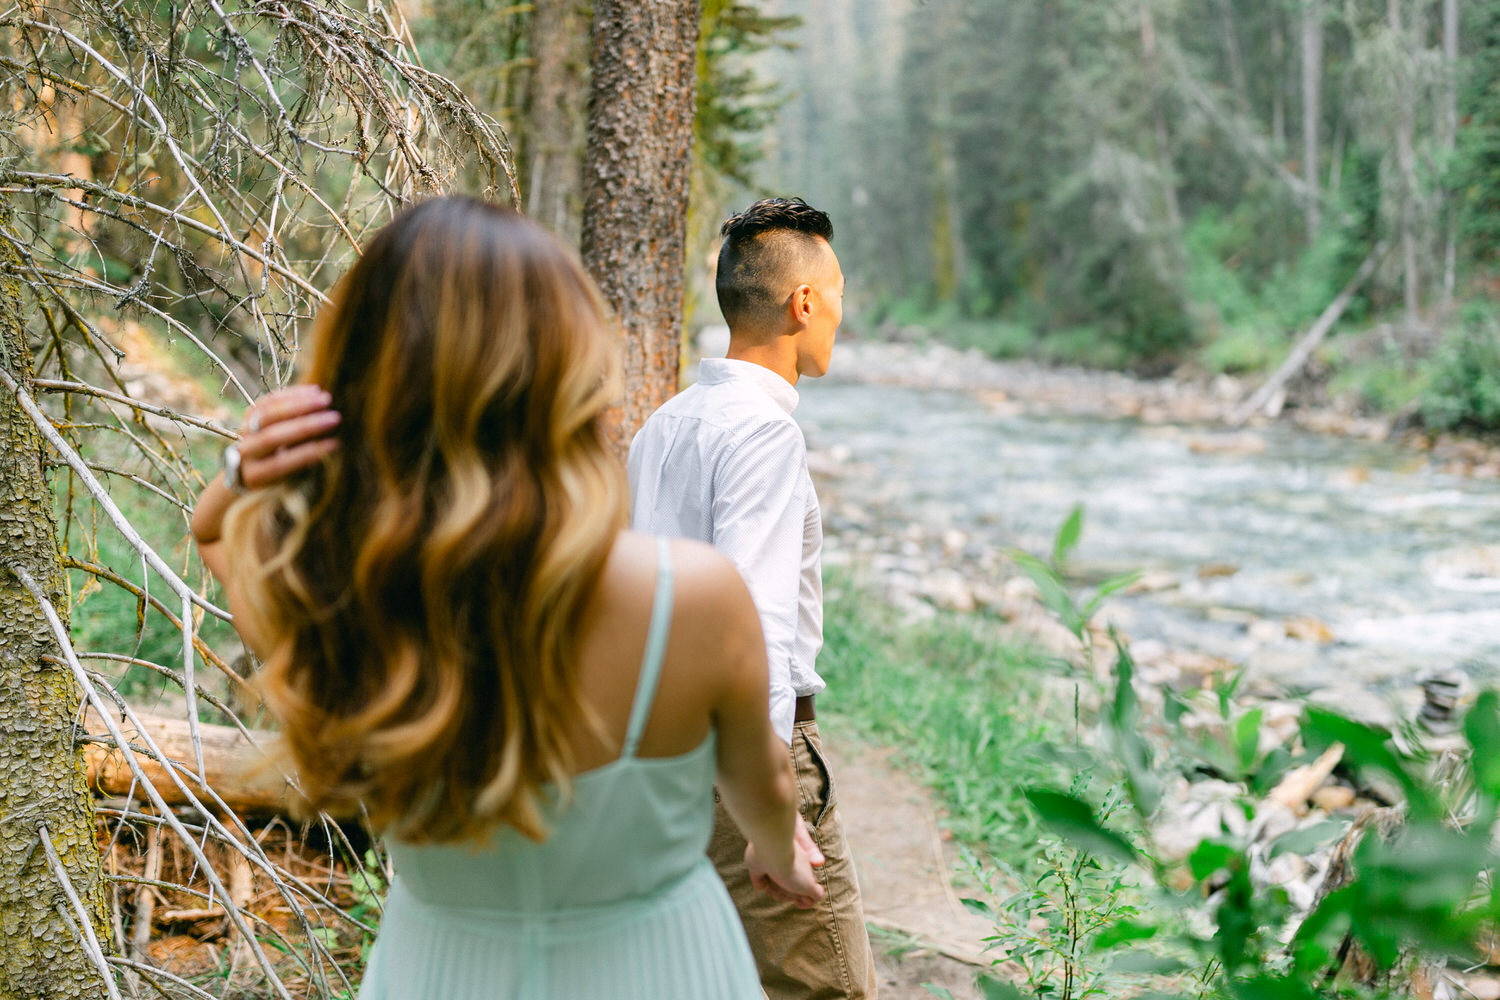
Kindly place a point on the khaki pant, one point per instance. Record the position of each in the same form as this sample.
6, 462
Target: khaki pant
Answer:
817, 954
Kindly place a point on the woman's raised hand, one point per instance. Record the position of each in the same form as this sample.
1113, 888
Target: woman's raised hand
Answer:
285, 432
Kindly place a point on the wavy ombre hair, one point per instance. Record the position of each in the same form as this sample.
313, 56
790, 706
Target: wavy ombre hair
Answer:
420, 592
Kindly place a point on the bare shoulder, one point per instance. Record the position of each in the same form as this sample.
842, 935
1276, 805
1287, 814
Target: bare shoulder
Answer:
702, 575
710, 601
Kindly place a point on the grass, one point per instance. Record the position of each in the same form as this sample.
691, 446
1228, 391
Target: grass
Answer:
961, 701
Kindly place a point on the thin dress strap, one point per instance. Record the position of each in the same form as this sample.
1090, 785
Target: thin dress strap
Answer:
656, 648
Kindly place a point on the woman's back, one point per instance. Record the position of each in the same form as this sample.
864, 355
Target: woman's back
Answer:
423, 547
618, 901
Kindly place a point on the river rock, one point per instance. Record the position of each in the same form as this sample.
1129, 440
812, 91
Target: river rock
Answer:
1244, 443
1022, 589
1197, 812
1332, 797
1263, 630
1153, 582
1307, 629
947, 589
954, 541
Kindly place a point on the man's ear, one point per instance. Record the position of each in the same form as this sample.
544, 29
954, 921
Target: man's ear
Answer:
802, 304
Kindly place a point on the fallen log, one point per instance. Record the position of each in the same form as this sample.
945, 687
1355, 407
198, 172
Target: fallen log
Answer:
1263, 397
242, 774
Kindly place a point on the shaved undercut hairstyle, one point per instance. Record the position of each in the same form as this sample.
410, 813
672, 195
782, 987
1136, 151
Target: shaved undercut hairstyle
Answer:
768, 250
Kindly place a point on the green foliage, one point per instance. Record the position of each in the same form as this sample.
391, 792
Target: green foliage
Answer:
1464, 388
1051, 926
1387, 382
1475, 171
734, 104
960, 699
1251, 304
106, 617
1424, 887
1050, 578
1123, 180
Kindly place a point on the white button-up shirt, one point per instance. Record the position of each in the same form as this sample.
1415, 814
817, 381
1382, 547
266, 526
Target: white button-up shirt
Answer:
725, 463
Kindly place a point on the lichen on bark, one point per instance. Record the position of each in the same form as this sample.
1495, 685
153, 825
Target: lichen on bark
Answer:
41, 765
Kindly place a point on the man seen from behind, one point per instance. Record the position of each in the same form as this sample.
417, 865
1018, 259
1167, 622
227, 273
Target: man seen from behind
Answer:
725, 463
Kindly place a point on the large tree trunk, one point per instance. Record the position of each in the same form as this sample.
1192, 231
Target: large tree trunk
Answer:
1312, 107
636, 183
554, 134
42, 792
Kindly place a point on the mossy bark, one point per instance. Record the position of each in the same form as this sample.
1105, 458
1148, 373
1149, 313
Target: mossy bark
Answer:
41, 765
635, 187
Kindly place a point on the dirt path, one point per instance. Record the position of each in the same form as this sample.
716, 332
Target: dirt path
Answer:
920, 930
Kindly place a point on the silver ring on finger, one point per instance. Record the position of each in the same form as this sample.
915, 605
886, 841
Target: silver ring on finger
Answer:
253, 424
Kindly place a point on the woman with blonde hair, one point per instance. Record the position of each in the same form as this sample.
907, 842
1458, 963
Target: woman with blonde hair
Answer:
424, 544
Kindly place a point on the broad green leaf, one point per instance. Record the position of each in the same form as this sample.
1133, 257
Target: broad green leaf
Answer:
1247, 737
1055, 596
978, 906
1074, 821
1134, 752
1482, 727
938, 991
1173, 707
1067, 536
1123, 932
1127, 707
1269, 987
1211, 856
1145, 962
998, 989
1313, 945
1110, 586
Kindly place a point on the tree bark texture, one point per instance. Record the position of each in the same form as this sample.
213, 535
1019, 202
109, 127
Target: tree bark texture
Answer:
41, 765
635, 190
553, 135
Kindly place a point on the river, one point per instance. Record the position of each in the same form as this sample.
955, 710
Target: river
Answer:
1321, 565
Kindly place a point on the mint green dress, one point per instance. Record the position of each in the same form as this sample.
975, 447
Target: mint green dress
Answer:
619, 903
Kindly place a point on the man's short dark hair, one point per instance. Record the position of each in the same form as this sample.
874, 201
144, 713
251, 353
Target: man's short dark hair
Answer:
767, 249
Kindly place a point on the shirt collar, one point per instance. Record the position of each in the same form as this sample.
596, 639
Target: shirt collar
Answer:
715, 370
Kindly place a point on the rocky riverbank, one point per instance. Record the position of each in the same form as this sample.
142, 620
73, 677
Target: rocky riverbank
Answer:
925, 501
1208, 403
925, 492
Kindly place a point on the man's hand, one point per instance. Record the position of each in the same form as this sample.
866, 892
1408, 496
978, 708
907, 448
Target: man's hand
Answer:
796, 883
